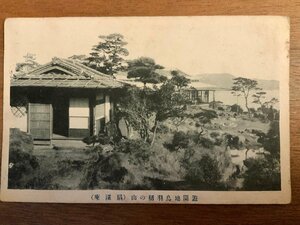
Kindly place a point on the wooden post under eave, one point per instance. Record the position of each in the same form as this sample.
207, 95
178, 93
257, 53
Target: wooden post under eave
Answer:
214, 100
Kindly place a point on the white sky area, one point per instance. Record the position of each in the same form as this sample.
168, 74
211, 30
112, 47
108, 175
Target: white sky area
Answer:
253, 47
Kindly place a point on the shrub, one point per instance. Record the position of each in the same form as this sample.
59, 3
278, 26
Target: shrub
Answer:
252, 110
138, 150
215, 104
218, 139
262, 174
262, 117
21, 161
204, 173
112, 170
233, 141
117, 169
101, 138
271, 141
205, 116
20, 140
163, 129
20, 164
42, 180
201, 140
206, 142
236, 108
180, 140
214, 134
66, 166
187, 157
105, 168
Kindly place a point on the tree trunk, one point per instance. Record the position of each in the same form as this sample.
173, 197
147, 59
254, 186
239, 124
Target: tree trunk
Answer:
116, 121
154, 132
247, 107
246, 153
128, 127
201, 132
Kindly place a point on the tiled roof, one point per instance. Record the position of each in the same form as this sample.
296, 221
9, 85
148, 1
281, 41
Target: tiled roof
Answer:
67, 74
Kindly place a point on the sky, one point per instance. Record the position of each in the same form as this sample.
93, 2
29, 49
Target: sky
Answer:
253, 47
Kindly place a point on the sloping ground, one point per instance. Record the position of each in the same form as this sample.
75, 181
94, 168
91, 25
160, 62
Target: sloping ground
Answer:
21, 140
63, 165
67, 161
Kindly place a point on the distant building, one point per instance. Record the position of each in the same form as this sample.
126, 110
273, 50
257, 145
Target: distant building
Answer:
200, 93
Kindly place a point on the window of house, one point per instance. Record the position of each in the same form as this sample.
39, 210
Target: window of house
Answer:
18, 106
79, 113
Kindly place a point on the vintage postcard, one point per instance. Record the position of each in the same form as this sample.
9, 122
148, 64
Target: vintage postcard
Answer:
180, 110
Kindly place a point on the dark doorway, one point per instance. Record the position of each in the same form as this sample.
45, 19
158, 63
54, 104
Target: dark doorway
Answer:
60, 116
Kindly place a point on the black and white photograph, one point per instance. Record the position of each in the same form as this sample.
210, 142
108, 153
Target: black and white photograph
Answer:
146, 110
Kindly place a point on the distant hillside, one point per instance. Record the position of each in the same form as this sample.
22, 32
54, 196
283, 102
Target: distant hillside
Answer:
225, 80
217, 80
268, 84
167, 73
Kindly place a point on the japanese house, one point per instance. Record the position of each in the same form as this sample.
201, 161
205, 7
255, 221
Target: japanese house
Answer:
62, 99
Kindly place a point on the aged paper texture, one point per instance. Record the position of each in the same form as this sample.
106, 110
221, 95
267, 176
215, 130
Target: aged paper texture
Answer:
180, 110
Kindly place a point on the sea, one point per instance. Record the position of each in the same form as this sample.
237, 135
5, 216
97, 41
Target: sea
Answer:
228, 98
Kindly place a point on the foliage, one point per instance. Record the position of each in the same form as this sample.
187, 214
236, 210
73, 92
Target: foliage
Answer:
214, 134
166, 103
144, 69
203, 117
65, 166
163, 129
137, 150
271, 102
236, 108
21, 163
103, 138
180, 140
143, 110
133, 107
79, 58
206, 142
115, 169
107, 55
204, 172
28, 64
258, 98
265, 112
179, 79
25, 170
233, 141
179, 119
21, 160
244, 86
103, 168
271, 140
216, 104
20, 140
262, 174
188, 157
